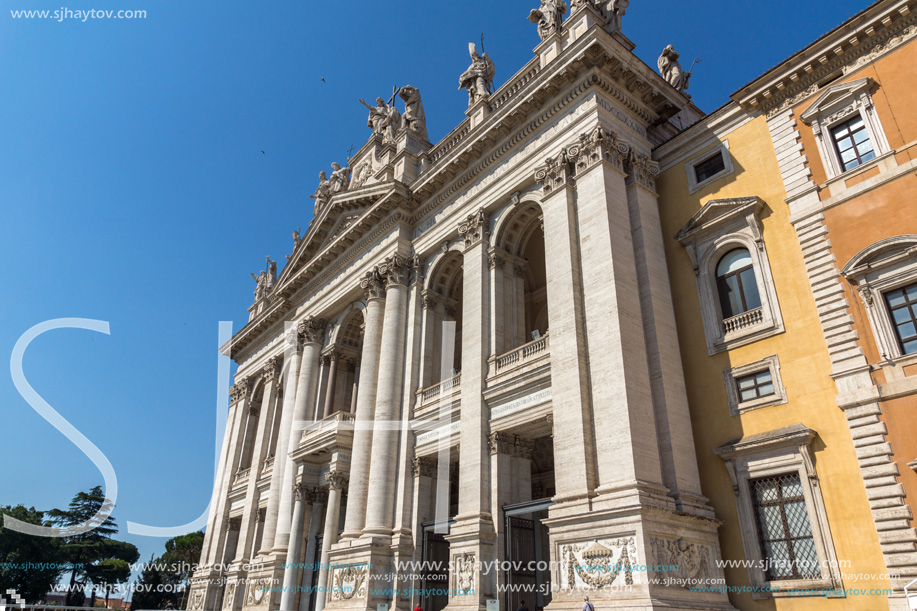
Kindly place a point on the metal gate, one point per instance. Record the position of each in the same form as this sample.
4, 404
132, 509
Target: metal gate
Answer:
435, 571
316, 559
520, 552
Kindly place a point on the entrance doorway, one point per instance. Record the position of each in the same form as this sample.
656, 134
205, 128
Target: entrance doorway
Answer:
435, 574
528, 553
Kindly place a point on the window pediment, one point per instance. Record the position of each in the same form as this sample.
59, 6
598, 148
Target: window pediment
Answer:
883, 253
718, 213
836, 99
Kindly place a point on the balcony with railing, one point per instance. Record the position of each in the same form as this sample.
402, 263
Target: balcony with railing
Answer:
267, 466
333, 431
519, 360
428, 399
743, 321
241, 476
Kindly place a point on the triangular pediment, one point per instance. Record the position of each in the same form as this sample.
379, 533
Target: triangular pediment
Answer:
881, 254
716, 212
836, 95
345, 213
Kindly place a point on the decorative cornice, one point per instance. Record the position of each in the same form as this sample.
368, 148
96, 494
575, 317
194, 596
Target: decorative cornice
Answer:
848, 48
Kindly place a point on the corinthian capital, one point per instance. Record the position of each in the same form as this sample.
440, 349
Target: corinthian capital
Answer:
240, 390
336, 480
599, 145
272, 368
312, 330
373, 284
396, 270
644, 170
555, 173
474, 228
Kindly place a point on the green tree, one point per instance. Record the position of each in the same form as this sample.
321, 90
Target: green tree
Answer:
182, 555
148, 593
17, 548
87, 551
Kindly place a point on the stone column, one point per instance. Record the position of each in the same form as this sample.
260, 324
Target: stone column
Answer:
574, 443
332, 382
498, 321
673, 418
336, 483
240, 396
472, 536
374, 285
381, 501
282, 462
270, 373
310, 333
302, 506
356, 387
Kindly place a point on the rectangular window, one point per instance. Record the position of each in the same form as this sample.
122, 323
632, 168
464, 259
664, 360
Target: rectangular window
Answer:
902, 305
784, 530
852, 143
709, 167
754, 386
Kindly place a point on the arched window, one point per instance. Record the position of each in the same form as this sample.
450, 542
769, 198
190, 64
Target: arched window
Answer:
736, 283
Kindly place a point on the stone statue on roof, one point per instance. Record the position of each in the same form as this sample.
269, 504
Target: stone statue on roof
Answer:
384, 119
549, 17
414, 117
479, 76
671, 70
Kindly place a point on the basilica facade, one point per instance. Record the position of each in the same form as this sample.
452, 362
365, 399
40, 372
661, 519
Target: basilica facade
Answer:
593, 342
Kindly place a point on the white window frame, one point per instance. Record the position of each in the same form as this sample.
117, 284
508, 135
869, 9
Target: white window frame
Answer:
723, 148
781, 452
838, 104
720, 226
883, 267
730, 377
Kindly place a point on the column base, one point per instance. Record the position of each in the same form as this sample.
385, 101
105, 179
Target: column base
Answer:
262, 585
472, 548
362, 574
633, 550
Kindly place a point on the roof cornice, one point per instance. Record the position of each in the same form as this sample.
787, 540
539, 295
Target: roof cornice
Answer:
860, 40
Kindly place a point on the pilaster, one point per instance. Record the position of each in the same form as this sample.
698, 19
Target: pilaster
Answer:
472, 537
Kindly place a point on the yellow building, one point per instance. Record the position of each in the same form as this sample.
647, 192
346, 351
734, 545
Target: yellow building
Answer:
778, 458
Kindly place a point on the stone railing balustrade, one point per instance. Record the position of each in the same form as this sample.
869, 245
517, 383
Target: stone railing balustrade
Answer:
241, 475
522, 353
433, 392
743, 320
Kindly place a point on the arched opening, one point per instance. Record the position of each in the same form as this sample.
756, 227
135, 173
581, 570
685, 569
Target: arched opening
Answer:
250, 427
443, 305
521, 300
736, 283
341, 368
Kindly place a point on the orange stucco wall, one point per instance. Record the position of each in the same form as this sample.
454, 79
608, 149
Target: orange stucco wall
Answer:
894, 102
887, 210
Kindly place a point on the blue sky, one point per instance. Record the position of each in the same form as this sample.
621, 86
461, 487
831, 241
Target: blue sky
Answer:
133, 190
